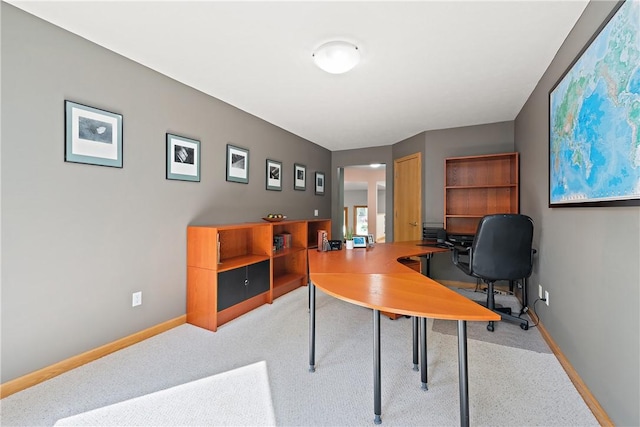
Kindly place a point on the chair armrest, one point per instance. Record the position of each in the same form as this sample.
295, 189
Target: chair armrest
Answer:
459, 250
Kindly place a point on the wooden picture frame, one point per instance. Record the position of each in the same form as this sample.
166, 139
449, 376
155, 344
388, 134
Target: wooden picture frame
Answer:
183, 158
237, 164
92, 136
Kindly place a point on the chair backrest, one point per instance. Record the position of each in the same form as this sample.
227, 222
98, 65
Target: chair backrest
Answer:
502, 247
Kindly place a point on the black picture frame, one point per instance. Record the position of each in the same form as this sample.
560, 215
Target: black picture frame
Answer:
299, 177
183, 158
237, 164
92, 136
319, 183
274, 175
591, 161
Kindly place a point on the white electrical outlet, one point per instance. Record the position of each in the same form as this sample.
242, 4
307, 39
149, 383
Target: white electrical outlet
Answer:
315, 212
546, 297
136, 299
540, 291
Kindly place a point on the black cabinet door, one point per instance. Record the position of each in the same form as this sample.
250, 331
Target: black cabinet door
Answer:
237, 285
232, 287
258, 276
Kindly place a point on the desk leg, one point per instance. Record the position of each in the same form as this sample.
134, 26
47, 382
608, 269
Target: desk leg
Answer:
426, 265
377, 404
463, 376
414, 321
423, 350
312, 327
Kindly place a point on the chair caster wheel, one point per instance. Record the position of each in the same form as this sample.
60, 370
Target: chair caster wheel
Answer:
490, 328
524, 326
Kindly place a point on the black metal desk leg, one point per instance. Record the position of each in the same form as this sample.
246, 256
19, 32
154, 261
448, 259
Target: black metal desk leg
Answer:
423, 351
312, 327
463, 376
414, 321
377, 399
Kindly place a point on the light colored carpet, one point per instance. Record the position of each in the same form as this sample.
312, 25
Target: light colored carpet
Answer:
219, 400
507, 386
505, 332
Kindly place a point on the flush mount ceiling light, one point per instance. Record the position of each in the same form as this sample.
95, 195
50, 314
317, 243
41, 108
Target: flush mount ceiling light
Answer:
337, 57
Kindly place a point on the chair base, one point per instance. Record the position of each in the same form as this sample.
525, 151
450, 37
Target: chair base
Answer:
504, 312
524, 323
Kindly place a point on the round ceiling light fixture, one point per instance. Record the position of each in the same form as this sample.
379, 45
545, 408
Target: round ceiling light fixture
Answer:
337, 57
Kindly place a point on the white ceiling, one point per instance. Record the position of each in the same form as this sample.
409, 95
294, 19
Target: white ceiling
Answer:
425, 64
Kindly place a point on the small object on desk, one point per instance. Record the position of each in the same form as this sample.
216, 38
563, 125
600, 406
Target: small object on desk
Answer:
371, 240
322, 238
335, 245
359, 242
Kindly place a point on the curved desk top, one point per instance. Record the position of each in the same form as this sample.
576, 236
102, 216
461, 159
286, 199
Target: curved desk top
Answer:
374, 278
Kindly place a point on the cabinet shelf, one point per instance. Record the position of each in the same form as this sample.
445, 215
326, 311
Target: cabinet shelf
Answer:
287, 251
240, 261
467, 187
286, 283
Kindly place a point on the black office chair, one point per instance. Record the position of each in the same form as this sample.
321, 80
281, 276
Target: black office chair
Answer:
501, 250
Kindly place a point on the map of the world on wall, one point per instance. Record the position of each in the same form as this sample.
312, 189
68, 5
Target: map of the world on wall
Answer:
594, 119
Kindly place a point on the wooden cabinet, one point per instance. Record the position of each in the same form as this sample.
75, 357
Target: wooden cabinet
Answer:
232, 269
214, 250
476, 186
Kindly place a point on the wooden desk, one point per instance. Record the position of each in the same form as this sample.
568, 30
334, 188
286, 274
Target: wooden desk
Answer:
374, 278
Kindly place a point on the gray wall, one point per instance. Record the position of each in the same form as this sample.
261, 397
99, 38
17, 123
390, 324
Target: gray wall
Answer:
588, 257
435, 147
77, 240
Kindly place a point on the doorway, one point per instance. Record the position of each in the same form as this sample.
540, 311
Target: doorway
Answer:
364, 207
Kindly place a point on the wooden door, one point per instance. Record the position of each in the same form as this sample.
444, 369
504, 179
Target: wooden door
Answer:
407, 198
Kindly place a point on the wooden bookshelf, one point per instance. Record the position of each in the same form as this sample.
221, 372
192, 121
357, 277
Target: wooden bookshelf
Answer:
476, 186
237, 252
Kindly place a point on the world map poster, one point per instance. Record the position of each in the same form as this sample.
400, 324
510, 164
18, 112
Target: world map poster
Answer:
594, 119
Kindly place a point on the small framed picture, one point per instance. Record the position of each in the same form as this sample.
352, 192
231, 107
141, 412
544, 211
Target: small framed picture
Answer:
274, 175
299, 177
360, 241
320, 183
183, 158
92, 136
237, 164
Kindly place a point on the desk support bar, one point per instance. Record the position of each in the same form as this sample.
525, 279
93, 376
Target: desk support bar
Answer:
414, 322
463, 376
312, 327
423, 351
377, 404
